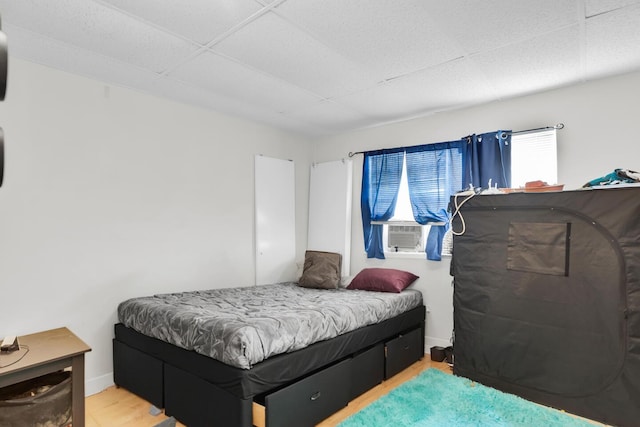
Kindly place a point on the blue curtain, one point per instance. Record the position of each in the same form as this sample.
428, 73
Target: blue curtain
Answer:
434, 174
381, 173
488, 157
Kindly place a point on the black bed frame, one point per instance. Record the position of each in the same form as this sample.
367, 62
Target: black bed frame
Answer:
299, 388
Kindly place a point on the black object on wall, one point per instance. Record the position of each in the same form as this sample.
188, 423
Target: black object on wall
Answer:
4, 60
546, 303
1, 156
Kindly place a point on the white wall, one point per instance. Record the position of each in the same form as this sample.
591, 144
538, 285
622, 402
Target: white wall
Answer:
109, 194
600, 120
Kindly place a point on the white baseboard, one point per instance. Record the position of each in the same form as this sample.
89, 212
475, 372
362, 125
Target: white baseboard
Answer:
97, 384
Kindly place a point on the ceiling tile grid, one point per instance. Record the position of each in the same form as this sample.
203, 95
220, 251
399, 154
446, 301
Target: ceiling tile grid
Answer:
546, 62
93, 27
325, 66
328, 114
485, 26
65, 57
596, 7
391, 38
226, 77
199, 97
613, 41
275, 46
427, 91
201, 21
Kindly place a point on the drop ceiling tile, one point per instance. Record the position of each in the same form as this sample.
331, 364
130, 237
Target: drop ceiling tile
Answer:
234, 80
273, 45
29, 46
95, 27
546, 62
192, 95
391, 38
612, 42
330, 116
595, 7
200, 20
453, 84
381, 60
51, 53
480, 26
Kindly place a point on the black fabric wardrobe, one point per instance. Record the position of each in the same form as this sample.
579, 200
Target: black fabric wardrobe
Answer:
547, 298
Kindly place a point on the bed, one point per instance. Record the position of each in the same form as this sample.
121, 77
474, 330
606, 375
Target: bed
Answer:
269, 355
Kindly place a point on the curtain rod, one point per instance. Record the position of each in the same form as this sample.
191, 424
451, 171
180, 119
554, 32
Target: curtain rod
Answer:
504, 134
558, 126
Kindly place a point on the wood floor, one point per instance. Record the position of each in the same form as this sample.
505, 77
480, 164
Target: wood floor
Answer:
116, 407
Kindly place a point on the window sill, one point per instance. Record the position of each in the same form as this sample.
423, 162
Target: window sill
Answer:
405, 255
409, 255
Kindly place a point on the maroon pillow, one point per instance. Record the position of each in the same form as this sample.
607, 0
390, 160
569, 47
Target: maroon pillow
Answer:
382, 280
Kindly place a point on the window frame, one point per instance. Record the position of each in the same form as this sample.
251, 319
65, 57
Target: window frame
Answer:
409, 254
420, 254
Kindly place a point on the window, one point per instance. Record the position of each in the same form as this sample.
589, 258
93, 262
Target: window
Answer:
534, 157
401, 233
434, 172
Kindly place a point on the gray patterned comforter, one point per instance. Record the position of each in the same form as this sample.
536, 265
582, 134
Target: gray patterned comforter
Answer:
244, 326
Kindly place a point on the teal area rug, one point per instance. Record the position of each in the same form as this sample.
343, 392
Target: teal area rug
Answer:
437, 399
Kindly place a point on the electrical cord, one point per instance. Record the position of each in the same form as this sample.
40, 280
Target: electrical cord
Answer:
468, 196
26, 347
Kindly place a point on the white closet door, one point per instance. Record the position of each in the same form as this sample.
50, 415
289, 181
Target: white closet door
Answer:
275, 220
330, 209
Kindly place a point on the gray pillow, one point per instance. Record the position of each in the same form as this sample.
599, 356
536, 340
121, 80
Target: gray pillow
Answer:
321, 270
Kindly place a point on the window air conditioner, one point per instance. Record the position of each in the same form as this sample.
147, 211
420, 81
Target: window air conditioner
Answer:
404, 236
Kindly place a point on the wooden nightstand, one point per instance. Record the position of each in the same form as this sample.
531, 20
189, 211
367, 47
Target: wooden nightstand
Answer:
49, 351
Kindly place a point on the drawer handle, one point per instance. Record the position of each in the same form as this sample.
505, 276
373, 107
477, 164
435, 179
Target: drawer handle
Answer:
315, 396
406, 347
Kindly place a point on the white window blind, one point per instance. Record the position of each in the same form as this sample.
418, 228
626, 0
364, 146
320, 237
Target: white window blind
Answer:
534, 157
403, 210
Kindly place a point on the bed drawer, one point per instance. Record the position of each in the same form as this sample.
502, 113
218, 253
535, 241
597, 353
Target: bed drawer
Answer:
367, 370
198, 403
138, 372
403, 351
308, 401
